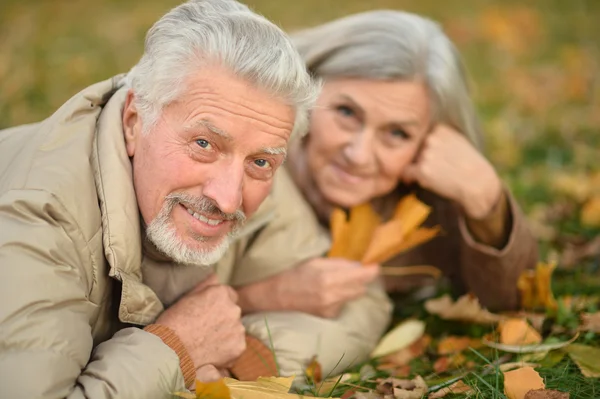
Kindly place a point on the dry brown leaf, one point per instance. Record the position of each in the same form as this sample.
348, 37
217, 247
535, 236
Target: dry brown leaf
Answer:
445, 363
453, 344
546, 394
314, 371
400, 337
466, 308
590, 322
339, 233
573, 254
520, 381
404, 356
458, 387
403, 389
518, 332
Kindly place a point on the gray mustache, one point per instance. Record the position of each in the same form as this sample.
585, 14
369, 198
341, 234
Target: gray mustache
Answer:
205, 206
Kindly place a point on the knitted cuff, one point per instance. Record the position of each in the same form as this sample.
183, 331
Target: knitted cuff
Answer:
256, 361
172, 341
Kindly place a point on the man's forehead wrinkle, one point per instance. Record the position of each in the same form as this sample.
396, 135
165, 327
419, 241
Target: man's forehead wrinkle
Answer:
261, 116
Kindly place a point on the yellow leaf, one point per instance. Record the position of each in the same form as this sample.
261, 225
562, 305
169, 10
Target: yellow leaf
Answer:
518, 332
516, 365
212, 390
535, 287
313, 371
590, 213
520, 381
263, 388
466, 308
400, 337
411, 212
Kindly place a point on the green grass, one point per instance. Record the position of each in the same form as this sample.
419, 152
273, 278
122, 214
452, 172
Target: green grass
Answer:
535, 73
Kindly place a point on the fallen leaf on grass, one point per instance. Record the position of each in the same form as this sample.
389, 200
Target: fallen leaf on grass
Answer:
313, 371
262, 388
546, 394
453, 344
586, 357
520, 381
445, 363
466, 308
535, 287
590, 322
400, 337
404, 356
403, 389
590, 212
518, 332
528, 348
516, 365
457, 388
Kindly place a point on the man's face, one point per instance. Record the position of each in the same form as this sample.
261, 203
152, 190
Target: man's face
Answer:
207, 164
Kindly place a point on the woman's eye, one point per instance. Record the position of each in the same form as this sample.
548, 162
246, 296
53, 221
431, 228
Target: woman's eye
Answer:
203, 143
262, 163
345, 111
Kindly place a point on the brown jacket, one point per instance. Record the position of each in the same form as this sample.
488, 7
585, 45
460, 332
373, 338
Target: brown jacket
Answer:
77, 286
471, 266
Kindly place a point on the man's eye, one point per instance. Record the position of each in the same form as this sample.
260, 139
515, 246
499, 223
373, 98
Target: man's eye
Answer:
203, 143
344, 110
262, 163
400, 133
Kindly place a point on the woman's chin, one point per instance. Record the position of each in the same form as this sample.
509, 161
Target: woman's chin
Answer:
345, 198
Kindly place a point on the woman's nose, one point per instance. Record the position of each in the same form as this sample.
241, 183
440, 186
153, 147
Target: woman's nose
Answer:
359, 150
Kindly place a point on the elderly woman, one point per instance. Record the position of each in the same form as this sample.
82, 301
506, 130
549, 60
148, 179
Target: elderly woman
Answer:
395, 117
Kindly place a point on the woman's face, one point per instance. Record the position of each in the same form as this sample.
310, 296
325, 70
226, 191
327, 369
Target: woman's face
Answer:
363, 134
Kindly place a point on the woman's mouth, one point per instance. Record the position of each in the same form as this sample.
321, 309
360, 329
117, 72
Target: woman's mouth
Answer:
346, 177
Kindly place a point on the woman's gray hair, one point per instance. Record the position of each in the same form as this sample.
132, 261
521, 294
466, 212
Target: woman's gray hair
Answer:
223, 32
388, 44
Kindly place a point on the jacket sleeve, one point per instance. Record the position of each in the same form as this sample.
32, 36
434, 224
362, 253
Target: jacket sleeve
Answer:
338, 343
46, 315
492, 273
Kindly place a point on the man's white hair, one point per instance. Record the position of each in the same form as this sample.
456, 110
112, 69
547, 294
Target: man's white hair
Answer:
204, 32
386, 44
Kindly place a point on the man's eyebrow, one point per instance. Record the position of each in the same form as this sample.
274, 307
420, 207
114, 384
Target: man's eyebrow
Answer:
206, 124
275, 151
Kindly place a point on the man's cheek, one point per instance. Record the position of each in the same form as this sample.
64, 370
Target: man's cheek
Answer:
254, 195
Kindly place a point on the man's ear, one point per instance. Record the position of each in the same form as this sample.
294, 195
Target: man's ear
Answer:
132, 124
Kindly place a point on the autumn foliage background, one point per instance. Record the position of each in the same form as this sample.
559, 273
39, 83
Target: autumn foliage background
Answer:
535, 71
534, 68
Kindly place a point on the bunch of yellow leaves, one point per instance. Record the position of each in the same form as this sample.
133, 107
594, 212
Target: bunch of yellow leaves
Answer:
363, 237
535, 287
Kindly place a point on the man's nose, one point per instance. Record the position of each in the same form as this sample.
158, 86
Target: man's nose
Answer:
225, 185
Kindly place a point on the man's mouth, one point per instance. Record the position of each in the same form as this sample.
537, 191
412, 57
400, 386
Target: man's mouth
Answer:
202, 218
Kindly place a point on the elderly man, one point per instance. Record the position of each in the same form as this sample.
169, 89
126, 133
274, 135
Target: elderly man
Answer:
153, 171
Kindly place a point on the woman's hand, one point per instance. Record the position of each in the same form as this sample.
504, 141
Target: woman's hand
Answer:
320, 286
450, 166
